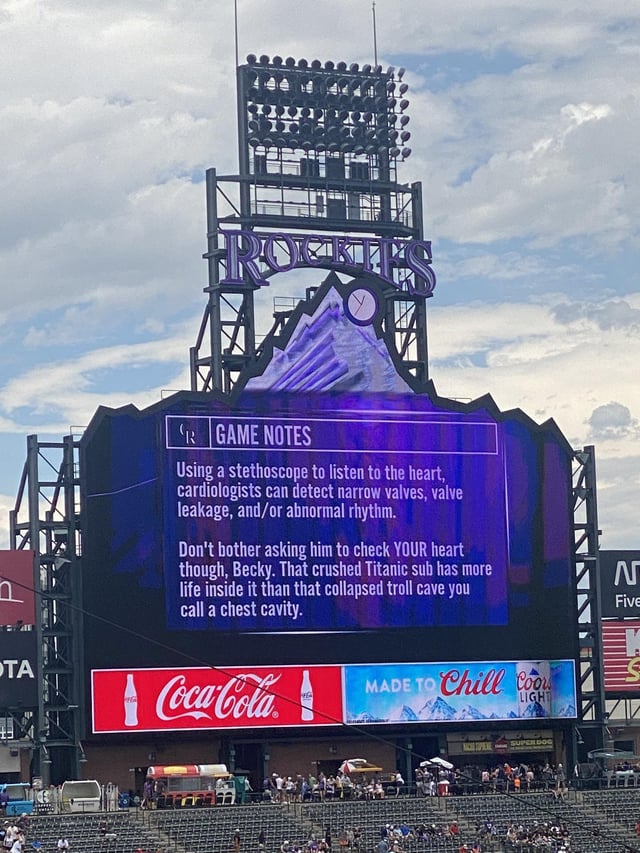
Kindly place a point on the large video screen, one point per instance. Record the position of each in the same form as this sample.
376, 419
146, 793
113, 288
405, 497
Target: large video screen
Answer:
313, 528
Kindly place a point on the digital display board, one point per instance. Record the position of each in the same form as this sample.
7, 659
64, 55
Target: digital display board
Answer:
621, 656
337, 519
619, 583
343, 527
18, 669
17, 597
200, 698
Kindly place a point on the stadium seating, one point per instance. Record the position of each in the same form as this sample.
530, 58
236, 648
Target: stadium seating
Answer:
598, 821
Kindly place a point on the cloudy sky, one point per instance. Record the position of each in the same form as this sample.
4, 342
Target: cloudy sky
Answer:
525, 120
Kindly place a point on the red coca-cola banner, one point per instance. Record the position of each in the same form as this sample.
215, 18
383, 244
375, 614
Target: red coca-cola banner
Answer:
207, 698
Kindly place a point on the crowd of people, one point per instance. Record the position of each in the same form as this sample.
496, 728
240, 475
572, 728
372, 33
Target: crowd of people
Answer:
13, 834
541, 837
501, 778
429, 781
299, 789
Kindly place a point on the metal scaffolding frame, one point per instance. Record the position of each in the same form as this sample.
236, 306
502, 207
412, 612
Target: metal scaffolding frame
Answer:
46, 520
331, 166
592, 714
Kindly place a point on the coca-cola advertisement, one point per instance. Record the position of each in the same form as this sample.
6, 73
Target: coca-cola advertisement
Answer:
213, 698
451, 692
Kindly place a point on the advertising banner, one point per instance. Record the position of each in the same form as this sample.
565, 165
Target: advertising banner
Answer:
621, 653
17, 599
261, 697
208, 698
619, 583
18, 669
455, 692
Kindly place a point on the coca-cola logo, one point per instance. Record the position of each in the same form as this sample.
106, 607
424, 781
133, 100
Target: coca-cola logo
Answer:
455, 682
248, 695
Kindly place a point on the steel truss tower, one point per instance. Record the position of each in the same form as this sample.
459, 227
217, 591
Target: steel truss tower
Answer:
319, 146
592, 712
46, 519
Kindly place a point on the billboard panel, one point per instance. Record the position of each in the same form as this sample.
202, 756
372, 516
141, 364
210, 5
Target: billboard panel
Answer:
17, 598
621, 653
312, 696
346, 527
18, 669
619, 583
206, 698
456, 692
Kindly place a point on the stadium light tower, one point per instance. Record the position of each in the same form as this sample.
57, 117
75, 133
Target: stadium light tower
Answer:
319, 149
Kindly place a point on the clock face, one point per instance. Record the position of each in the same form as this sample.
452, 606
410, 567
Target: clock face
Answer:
361, 306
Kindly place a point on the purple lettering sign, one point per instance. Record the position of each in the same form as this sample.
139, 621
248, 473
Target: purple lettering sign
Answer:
403, 264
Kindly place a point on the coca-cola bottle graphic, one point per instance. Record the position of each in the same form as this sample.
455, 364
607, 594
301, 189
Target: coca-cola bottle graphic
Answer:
130, 702
306, 697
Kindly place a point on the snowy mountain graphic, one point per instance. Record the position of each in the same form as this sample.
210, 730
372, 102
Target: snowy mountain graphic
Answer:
534, 709
468, 712
366, 717
436, 709
408, 715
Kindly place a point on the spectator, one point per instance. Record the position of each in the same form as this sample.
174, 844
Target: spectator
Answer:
235, 841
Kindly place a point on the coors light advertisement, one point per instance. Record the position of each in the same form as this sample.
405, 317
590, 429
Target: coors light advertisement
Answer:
450, 692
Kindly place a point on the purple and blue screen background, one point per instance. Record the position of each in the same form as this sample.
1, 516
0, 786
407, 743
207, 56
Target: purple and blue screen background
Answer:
515, 513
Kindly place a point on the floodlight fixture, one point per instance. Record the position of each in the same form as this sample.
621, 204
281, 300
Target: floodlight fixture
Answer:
252, 59
406, 152
401, 73
348, 109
